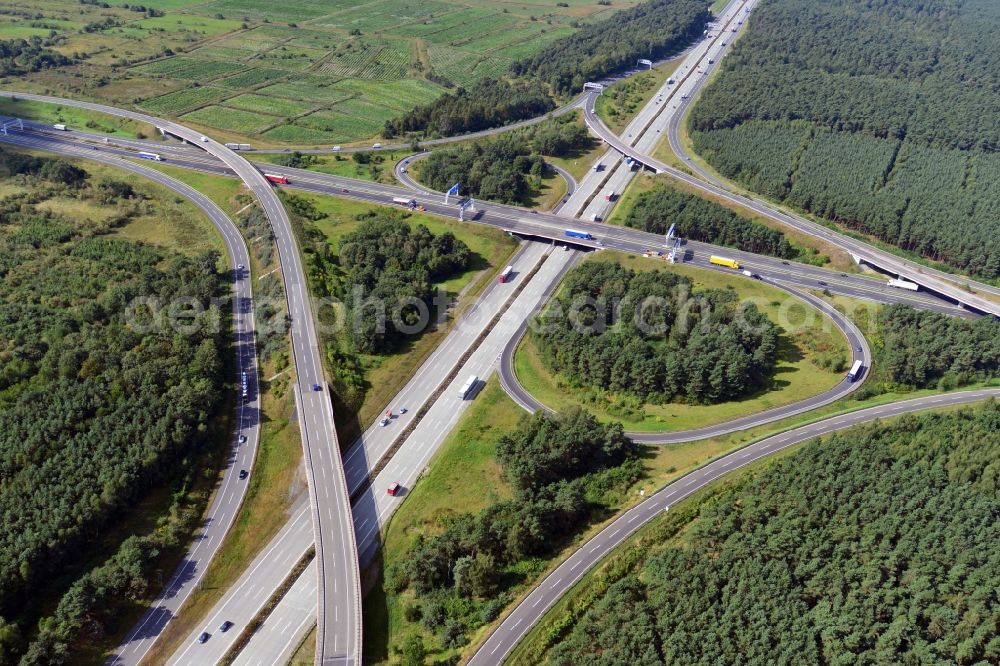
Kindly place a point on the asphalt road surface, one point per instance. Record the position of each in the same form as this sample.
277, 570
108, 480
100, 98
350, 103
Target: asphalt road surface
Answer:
271, 568
339, 592
550, 226
939, 282
284, 628
531, 609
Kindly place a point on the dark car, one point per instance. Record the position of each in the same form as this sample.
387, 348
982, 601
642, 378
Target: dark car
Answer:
224, 627
244, 474
317, 387
204, 637
822, 283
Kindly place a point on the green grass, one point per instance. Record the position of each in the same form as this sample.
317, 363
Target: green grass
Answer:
796, 376
248, 46
229, 119
180, 100
380, 171
269, 105
464, 467
73, 117
621, 101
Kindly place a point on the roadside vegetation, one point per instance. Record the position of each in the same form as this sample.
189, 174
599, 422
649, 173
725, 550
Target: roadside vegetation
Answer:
532, 482
649, 335
359, 255
108, 420
741, 559
510, 168
881, 87
300, 73
619, 102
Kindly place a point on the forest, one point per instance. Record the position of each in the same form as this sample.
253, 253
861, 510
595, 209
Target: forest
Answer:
868, 118
875, 546
652, 29
509, 168
98, 404
920, 349
487, 103
391, 263
646, 334
560, 469
702, 220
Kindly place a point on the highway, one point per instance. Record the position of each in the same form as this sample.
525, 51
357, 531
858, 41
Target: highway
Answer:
530, 610
286, 625
596, 197
939, 282
339, 626
230, 493
549, 226
274, 642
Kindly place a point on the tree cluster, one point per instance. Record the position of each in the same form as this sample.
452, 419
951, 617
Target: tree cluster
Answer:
487, 104
558, 466
647, 335
863, 113
20, 56
876, 546
98, 403
922, 349
391, 263
703, 220
651, 30
504, 169
508, 168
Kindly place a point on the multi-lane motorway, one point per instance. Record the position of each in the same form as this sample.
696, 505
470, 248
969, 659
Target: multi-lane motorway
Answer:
529, 611
290, 620
339, 593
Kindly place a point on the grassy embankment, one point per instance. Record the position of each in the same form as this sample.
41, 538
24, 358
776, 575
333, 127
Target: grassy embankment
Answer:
797, 375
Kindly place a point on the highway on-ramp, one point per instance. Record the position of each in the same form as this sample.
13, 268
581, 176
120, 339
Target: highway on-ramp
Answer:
339, 594
530, 610
859, 349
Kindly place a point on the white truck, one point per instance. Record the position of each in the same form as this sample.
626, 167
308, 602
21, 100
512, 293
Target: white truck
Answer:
468, 387
903, 284
61, 127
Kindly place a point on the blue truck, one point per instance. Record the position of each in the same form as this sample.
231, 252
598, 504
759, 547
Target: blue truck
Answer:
573, 233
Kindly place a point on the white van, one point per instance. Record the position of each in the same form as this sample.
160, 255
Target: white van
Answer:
468, 387
376, 146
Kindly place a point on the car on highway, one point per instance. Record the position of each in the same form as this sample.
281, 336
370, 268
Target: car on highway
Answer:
225, 626
402, 410
822, 283
204, 637
384, 422
244, 474
317, 387
204, 139
243, 439
858, 349
394, 489
240, 267
345, 190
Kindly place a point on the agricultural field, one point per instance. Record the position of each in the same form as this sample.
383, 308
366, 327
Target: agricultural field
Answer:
297, 72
